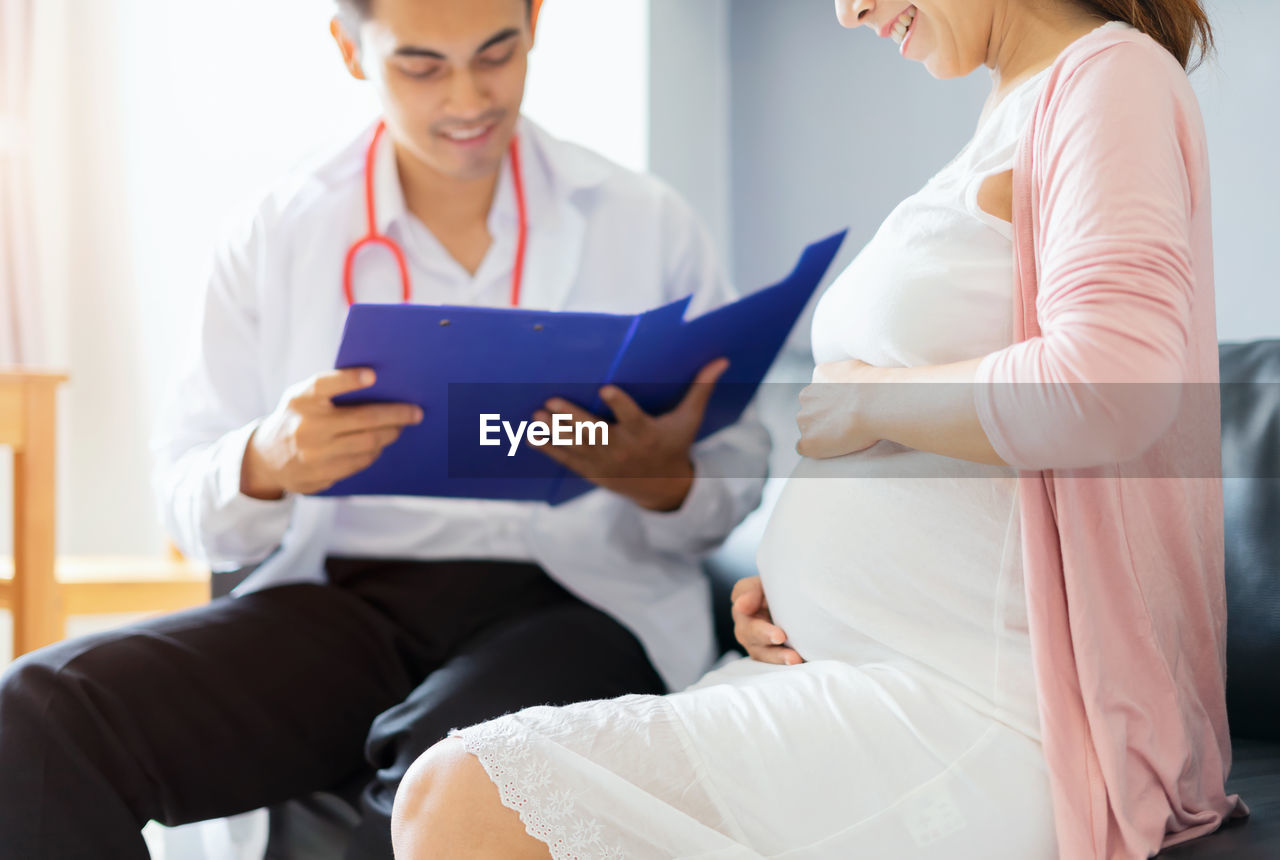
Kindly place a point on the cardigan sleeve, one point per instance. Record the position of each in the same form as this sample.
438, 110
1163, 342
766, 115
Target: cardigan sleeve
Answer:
1113, 203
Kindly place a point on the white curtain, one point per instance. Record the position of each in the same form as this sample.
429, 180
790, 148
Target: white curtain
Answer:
20, 329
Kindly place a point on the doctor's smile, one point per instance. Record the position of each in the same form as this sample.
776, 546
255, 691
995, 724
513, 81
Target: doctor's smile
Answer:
570, 461
473, 135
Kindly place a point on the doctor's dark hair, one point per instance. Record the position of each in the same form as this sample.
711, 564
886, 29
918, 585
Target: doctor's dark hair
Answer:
360, 9
1180, 25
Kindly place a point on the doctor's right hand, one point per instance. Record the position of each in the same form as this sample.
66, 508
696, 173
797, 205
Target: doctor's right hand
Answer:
308, 443
753, 625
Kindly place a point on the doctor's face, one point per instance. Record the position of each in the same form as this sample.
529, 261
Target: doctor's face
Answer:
450, 75
951, 37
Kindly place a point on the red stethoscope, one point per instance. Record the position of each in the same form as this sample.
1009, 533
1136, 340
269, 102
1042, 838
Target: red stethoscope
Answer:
375, 238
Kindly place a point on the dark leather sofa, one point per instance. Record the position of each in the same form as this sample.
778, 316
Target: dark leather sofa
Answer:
315, 827
1251, 496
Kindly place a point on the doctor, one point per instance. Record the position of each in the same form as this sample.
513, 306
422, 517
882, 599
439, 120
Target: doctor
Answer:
372, 626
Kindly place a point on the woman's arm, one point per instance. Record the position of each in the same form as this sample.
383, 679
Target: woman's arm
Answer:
1115, 175
852, 405
1102, 379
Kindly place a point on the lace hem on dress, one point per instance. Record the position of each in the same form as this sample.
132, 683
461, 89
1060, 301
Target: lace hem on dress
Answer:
524, 780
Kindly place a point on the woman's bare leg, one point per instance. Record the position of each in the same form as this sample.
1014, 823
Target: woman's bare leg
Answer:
447, 808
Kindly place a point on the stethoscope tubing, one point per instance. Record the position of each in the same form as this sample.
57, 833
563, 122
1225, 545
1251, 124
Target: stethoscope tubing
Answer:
373, 237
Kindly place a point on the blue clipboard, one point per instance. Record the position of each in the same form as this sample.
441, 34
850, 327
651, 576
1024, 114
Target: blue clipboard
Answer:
459, 363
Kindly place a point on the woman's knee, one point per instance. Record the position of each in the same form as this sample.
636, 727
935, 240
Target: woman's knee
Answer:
447, 808
434, 799
429, 771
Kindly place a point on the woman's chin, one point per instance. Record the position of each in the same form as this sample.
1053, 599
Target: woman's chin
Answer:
942, 69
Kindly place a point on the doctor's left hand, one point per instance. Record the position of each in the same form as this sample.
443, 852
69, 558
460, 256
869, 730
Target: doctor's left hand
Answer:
648, 457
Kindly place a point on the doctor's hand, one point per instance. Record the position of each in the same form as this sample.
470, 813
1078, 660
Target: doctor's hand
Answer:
753, 625
648, 458
308, 444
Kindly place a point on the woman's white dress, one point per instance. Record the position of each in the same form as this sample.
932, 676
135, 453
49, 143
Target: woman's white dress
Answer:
912, 730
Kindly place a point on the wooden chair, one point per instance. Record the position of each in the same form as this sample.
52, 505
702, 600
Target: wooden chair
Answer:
40, 589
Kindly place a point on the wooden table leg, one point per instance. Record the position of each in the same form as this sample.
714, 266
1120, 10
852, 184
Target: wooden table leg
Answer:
37, 605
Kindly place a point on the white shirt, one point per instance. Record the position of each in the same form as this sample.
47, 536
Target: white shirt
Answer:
601, 238
903, 556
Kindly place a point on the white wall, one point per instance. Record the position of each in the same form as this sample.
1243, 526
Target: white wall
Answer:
689, 108
1238, 94
589, 76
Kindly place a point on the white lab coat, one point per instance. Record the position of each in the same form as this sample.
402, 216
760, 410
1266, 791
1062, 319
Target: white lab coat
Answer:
601, 239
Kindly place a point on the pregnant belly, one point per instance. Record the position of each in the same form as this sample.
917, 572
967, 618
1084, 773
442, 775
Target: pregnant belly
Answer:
890, 552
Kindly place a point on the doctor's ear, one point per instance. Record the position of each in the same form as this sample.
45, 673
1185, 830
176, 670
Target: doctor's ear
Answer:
349, 47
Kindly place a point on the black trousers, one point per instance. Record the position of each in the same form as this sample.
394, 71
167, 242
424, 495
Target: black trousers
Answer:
252, 701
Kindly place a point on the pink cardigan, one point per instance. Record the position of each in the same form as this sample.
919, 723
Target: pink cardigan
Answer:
1123, 564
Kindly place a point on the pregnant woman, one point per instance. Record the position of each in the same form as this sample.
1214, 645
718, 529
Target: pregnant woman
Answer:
974, 634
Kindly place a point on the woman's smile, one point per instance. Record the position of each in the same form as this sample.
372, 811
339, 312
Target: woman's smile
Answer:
902, 27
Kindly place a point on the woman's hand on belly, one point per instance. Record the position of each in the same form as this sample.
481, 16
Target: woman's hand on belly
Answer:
753, 625
833, 415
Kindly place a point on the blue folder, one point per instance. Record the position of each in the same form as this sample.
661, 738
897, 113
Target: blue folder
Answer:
459, 363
